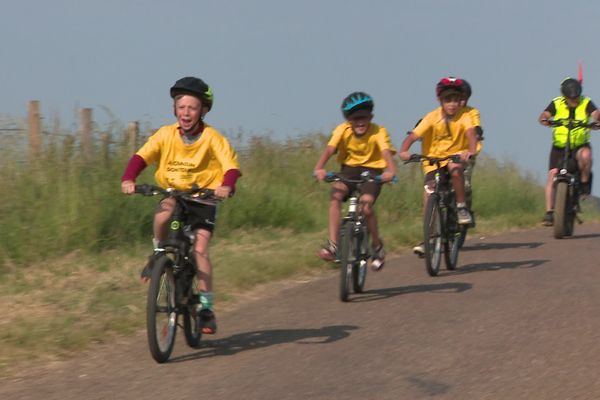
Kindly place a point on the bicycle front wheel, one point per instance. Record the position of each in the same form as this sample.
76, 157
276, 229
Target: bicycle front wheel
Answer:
359, 268
453, 238
432, 235
346, 258
161, 313
561, 210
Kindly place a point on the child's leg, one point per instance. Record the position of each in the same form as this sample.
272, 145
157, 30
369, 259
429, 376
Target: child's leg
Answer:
458, 181
368, 210
338, 192
161, 217
202, 260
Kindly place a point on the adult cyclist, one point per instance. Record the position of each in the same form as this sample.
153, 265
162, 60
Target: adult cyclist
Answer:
570, 105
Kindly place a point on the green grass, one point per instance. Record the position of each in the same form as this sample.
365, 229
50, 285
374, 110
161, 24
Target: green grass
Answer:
71, 246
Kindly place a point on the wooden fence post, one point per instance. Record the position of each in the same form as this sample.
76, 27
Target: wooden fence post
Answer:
106, 139
34, 122
85, 117
133, 130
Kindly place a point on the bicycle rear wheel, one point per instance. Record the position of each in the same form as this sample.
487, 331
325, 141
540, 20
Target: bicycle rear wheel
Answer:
190, 324
161, 313
561, 210
346, 258
432, 235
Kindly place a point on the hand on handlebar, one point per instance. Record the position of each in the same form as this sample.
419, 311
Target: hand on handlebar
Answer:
404, 155
545, 122
128, 187
320, 174
466, 155
223, 192
387, 176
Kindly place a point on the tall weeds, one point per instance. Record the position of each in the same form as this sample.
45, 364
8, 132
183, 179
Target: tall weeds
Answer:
61, 203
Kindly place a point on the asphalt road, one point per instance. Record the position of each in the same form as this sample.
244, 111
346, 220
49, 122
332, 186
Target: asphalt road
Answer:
519, 319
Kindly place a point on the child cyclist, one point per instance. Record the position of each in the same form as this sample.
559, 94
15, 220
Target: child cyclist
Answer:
189, 152
361, 146
445, 131
476, 119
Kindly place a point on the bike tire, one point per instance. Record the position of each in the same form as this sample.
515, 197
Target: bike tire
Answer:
453, 233
432, 235
190, 324
161, 312
561, 209
359, 269
462, 235
346, 259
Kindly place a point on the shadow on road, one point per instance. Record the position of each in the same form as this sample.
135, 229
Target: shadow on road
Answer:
494, 266
501, 246
584, 236
258, 339
379, 294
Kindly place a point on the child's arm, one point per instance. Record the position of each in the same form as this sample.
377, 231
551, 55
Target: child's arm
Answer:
472, 138
408, 141
390, 169
319, 172
134, 167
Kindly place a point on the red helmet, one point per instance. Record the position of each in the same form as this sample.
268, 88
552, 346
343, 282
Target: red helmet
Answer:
449, 84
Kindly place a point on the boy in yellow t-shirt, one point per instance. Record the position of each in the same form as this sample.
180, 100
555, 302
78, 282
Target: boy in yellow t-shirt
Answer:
187, 153
476, 119
445, 131
361, 146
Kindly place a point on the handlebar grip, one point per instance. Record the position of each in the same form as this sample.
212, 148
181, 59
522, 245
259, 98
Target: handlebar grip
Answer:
143, 188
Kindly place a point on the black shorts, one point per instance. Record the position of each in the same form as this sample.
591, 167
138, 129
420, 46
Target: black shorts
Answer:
557, 154
444, 176
200, 215
372, 188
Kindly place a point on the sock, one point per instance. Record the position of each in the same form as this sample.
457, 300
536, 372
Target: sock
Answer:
155, 243
206, 299
461, 205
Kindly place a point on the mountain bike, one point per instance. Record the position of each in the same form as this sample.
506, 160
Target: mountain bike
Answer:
353, 240
440, 222
173, 282
567, 184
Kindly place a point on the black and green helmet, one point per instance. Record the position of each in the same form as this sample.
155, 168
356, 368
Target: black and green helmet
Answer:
195, 87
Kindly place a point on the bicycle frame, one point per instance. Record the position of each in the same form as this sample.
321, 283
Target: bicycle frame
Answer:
171, 290
353, 238
440, 209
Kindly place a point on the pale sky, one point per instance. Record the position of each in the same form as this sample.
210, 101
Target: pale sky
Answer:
283, 67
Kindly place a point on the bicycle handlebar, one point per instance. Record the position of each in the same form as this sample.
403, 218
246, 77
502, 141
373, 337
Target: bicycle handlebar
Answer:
196, 192
572, 123
365, 177
432, 160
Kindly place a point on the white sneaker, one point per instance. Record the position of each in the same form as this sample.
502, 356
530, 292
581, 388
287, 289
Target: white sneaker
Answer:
419, 249
464, 216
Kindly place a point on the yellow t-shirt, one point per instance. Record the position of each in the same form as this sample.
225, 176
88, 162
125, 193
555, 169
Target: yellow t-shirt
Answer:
180, 165
441, 137
476, 120
361, 151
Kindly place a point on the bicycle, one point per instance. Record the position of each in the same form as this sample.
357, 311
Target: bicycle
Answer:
567, 191
440, 222
353, 240
173, 282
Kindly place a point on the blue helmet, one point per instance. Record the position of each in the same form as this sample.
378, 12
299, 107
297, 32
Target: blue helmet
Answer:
357, 101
